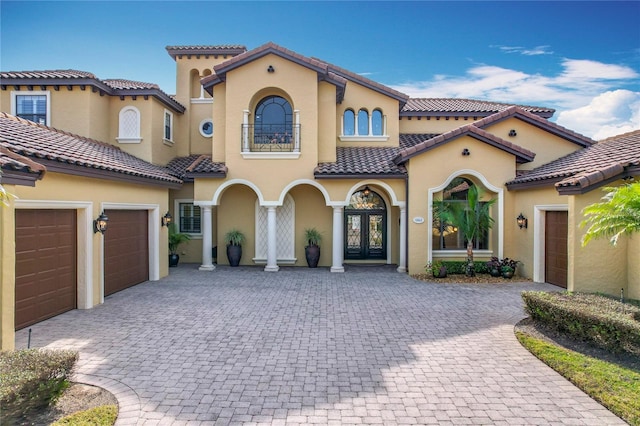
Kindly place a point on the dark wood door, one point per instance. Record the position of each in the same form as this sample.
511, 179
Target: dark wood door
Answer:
46, 264
365, 235
556, 229
126, 250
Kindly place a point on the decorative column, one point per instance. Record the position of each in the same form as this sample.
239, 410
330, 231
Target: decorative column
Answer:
338, 238
402, 262
207, 263
245, 130
296, 129
272, 262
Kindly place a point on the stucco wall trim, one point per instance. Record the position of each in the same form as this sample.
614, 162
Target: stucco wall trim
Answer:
538, 237
85, 216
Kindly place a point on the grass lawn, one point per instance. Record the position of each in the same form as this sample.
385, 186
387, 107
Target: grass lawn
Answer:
615, 387
100, 416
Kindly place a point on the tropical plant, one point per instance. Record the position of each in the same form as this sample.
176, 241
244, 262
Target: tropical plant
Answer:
312, 236
618, 214
472, 218
176, 238
234, 237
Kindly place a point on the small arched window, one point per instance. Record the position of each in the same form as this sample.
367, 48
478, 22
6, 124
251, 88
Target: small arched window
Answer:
377, 126
363, 122
349, 123
129, 125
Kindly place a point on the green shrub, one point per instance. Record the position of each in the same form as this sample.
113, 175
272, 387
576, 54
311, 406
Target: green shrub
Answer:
105, 415
32, 378
460, 267
603, 321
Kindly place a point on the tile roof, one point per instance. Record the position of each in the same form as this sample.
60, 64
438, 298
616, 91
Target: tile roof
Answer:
12, 162
589, 167
186, 168
112, 87
528, 117
223, 49
66, 152
522, 154
362, 161
408, 140
449, 106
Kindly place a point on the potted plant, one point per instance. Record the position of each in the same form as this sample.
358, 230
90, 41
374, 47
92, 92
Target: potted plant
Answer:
508, 267
494, 267
234, 239
438, 270
175, 239
312, 251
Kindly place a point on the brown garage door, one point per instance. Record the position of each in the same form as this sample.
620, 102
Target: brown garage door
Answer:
46, 283
556, 229
126, 250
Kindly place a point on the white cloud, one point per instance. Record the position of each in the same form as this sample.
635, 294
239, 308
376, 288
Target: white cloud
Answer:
538, 50
585, 93
608, 114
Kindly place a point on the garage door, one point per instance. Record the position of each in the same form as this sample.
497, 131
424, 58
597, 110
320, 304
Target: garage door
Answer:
126, 250
556, 229
46, 283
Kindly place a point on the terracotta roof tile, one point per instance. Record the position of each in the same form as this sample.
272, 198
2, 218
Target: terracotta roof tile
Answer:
522, 154
186, 167
360, 161
407, 140
38, 142
11, 161
454, 105
129, 85
223, 49
46, 74
588, 166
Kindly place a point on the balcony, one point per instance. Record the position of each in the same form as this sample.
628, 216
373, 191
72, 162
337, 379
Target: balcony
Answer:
270, 140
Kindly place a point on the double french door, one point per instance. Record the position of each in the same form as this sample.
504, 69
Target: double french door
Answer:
365, 234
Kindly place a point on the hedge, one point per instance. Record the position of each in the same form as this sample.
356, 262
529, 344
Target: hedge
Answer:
460, 267
32, 378
605, 322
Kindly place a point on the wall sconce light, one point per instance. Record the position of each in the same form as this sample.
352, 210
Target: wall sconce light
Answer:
522, 221
167, 219
513, 133
100, 224
271, 69
466, 152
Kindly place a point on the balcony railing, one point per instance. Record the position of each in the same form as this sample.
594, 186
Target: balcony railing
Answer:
270, 138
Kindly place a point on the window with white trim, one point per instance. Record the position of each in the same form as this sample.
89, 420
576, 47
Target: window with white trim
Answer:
129, 125
364, 126
189, 218
168, 126
32, 106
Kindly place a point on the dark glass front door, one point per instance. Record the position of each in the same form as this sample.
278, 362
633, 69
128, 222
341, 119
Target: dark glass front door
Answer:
365, 235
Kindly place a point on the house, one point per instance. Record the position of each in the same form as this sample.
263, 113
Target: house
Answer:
272, 142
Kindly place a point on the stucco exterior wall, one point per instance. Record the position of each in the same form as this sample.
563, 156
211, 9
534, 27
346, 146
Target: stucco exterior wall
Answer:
237, 211
433, 124
327, 129
433, 168
598, 267
633, 267
312, 212
219, 139
7, 273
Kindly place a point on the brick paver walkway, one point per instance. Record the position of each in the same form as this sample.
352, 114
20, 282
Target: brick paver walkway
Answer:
302, 346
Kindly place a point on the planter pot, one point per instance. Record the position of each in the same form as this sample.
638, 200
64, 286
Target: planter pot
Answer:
495, 272
173, 260
234, 253
442, 273
312, 254
507, 274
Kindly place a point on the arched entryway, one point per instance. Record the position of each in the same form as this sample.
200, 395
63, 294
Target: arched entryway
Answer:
365, 226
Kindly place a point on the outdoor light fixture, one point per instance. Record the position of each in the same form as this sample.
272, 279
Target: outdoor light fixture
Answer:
522, 221
167, 219
100, 224
466, 152
271, 69
512, 133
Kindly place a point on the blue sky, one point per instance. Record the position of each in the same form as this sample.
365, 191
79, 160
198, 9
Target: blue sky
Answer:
581, 58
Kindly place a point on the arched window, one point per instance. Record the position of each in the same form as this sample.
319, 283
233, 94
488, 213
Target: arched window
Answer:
363, 122
273, 123
349, 123
447, 236
377, 126
129, 125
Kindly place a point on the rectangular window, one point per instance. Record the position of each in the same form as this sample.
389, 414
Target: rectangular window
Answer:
190, 218
32, 108
168, 125
448, 237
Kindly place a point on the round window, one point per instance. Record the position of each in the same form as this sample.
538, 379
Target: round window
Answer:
206, 127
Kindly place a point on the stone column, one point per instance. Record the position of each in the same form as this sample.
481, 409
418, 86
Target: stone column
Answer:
402, 262
272, 262
207, 244
338, 238
245, 130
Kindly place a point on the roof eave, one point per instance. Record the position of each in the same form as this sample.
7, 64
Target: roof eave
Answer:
215, 175
19, 177
361, 176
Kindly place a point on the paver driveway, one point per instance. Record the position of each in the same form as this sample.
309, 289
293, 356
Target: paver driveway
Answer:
303, 346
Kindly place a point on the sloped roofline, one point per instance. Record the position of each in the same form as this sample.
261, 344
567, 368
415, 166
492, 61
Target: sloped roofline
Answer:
522, 155
461, 107
219, 50
534, 120
326, 72
83, 79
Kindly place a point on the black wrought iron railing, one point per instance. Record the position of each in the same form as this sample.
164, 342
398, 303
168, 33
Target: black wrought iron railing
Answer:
270, 138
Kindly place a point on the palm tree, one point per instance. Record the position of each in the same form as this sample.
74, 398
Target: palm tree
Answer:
472, 218
618, 214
